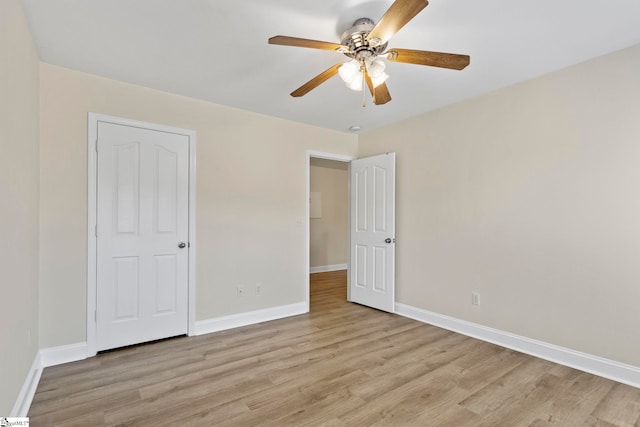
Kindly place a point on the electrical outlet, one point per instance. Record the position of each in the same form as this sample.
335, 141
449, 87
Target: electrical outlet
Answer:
241, 291
258, 288
475, 298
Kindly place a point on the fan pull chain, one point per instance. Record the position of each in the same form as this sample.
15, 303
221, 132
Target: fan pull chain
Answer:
364, 92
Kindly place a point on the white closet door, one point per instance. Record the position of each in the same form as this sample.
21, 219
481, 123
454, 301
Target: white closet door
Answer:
143, 228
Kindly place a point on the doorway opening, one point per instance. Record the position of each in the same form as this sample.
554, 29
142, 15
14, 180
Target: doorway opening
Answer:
327, 222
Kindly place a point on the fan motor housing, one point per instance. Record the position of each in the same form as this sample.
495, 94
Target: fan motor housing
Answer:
355, 38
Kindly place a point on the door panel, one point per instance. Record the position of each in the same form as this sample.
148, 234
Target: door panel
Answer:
379, 264
125, 302
166, 190
360, 207
372, 209
380, 202
166, 285
126, 197
142, 209
360, 267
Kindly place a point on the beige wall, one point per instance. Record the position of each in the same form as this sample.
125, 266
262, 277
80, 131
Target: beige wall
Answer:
530, 196
328, 234
250, 197
18, 202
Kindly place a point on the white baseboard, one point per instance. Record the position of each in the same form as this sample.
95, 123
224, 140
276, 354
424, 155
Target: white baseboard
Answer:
25, 397
63, 354
325, 268
45, 358
249, 318
620, 372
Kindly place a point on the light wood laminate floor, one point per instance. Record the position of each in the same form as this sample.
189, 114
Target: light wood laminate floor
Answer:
341, 365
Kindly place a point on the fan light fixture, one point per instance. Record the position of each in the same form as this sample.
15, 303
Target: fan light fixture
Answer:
351, 73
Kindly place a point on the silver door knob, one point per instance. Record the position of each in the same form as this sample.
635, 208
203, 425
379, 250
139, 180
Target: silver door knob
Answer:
387, 240
182, 245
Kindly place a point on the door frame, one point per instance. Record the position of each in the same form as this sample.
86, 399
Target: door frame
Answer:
92, 216
328, 156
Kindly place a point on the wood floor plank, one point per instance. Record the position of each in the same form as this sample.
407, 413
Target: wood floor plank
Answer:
506, 389
84, 420
580, 400
621, 406
342, 364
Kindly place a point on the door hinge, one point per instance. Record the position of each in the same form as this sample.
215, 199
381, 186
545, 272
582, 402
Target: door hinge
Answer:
96, 145
96, 230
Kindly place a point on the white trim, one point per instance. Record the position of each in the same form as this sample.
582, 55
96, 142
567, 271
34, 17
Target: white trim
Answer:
92, 167
92, 214
327, 156
249, 318
44, 358
191, 327
620, 372
28, 390
53, 356
325, 268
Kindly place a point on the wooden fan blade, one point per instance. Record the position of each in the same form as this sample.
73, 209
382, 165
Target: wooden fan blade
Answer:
380, 94
400, 12
316, 81
313, 44
433, 59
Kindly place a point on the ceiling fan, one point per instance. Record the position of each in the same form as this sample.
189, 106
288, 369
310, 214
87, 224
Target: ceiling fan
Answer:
366, 44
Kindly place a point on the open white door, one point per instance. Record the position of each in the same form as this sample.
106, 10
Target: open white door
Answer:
142, 235
372, 231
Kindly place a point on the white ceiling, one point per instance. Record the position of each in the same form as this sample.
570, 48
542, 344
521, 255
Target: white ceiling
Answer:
217, 50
